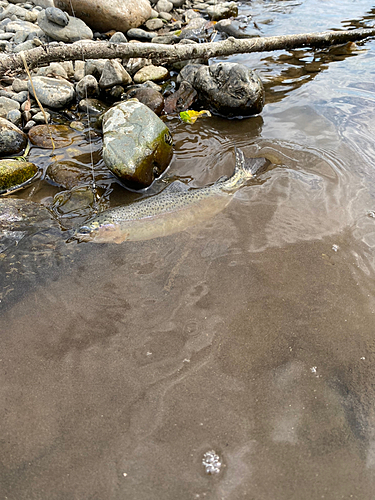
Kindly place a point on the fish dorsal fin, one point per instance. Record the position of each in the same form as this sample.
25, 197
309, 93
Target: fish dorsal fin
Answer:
176, 187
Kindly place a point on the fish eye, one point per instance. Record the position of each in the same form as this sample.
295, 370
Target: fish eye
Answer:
84, 230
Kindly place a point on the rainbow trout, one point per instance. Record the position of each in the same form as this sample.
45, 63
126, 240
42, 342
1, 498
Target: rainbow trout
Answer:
168, 212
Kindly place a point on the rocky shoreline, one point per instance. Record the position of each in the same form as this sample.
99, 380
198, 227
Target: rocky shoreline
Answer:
128, 98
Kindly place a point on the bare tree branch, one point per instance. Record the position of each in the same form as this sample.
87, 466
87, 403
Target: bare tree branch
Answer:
164, 54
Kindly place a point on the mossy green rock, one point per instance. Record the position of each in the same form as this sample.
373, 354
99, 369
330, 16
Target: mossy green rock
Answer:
15, 173
137, 145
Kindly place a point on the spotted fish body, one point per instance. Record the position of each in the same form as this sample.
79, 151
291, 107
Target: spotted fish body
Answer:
166, 213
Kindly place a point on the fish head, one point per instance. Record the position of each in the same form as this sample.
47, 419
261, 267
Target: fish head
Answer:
98, 231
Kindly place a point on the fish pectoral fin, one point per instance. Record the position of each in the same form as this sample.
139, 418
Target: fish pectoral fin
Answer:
176, 187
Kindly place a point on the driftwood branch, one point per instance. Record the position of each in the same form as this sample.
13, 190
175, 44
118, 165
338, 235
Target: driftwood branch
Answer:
171, 53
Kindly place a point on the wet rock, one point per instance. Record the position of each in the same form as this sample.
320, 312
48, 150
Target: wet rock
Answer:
7, 105
75, 30
114, 74
136, 153
21, 97
92, 106
149, 97
229, 89
68, 67
15, 173
12, 139
152, 73
62, 136
87, 87
57, 16
53, 69
181, 100
154, 24
106, 15
232, 28
164, 6
222, 11
52, 93
77, 202
142, 35
118, 37
66, 174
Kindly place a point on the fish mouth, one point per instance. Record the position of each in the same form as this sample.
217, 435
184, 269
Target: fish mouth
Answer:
84, 233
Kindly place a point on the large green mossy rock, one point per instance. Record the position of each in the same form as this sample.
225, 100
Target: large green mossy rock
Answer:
137, 145
15, 174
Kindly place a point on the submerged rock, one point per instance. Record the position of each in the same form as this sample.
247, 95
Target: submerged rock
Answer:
51, 92
137, 145
62, 136
106, 15
74, 31
20, 218
12, 139
181, 100
67, 174
15, 173
228, 89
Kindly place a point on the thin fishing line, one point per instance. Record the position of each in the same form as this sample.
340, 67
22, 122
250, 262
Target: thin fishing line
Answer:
89, 133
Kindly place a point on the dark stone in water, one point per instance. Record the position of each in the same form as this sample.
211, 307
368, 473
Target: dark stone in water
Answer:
12, 139
181, 100
67, 174
62, 136
227, 89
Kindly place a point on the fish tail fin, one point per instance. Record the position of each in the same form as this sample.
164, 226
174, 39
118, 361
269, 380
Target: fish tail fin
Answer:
248, 166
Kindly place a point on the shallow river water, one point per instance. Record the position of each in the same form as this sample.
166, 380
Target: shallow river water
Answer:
251, 336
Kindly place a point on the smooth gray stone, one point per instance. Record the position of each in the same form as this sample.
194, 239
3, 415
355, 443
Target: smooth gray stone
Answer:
87, 87
40, 118
139, 34
28, 45
154, 24
7, 105
19, 85
94, 67
52, 93
57, 16
21, 97
118, 37
114, 74
222, 11
137, 145
164, 6
14, 116
74, 31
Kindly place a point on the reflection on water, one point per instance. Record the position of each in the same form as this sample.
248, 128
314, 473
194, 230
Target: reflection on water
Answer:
127, 370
